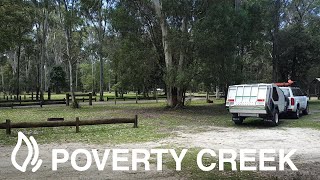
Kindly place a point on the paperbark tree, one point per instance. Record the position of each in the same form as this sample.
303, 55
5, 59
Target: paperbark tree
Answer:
95, 12
275, 48
167, 50
67, 21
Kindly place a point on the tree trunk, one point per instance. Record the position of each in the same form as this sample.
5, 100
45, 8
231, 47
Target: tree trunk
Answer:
42, 57
182, 57
2, 79
275, 48
101, 38
68, 36
101, 79
18, 70
76, 86
217, 92
167, 51
92, 74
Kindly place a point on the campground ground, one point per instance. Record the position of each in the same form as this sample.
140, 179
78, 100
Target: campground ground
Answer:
196, 127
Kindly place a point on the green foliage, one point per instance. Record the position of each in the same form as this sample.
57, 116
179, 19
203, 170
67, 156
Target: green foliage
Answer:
15, 24
222, 43
58, 79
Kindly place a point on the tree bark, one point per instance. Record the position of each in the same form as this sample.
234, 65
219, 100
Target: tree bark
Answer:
43, 55
2, 80
68, 36
101, 38
167, 51
275, 48
182, 57
18, 69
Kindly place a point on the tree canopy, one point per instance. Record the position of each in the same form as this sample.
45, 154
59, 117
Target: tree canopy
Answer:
142, 45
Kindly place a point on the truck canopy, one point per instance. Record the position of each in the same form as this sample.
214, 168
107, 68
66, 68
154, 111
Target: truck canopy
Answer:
247, 94
248, 99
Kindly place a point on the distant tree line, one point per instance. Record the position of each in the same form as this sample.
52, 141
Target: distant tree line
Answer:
142, 45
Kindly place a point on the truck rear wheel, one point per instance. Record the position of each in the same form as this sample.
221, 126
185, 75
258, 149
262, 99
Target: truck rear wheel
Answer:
238, 120
296, 115
275, 118
306, 111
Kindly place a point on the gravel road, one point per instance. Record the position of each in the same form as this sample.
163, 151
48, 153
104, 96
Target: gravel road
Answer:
306, 158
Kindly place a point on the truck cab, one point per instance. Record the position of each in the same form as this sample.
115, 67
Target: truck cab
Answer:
298, 101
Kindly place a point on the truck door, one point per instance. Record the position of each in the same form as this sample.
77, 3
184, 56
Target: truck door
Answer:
281, 101
275, 97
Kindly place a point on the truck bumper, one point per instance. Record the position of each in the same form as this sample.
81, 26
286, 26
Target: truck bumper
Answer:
248, 111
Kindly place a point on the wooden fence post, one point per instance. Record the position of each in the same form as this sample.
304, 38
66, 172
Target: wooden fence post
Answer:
24, 97
90, 99
20, 100
49, 93
77, 124
32, 95
8, 127
67, 99
7, 98
135, 125
136, 97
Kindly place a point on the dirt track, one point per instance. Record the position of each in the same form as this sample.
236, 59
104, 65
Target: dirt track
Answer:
306, 141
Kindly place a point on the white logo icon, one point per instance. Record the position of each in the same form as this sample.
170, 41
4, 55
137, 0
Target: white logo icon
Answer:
33, 150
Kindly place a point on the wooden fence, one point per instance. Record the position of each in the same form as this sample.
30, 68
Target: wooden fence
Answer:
77, 123
89, 95
12, 103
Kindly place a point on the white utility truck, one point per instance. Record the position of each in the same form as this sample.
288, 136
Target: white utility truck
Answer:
298, 101
265, 101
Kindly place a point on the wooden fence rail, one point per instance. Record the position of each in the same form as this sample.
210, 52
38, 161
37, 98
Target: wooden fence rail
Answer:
8, 125
68, 96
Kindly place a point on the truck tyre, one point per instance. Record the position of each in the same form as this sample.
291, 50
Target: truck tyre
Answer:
306, 111
296, 114
238, 120
275, 118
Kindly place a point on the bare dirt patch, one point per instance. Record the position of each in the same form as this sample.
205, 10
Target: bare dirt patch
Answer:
306, 158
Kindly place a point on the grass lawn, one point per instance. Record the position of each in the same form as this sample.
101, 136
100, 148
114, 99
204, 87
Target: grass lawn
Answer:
155, 121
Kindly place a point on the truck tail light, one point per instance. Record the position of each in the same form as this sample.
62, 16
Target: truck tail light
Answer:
260, 100
292, 101
231, 100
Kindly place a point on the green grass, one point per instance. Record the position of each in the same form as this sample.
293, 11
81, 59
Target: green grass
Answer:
155, 121
309, 121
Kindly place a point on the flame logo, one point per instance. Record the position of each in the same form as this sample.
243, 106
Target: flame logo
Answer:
33, 150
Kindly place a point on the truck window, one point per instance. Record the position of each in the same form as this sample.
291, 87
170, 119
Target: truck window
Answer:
275, 95
297, 92
301, 93
286, 92
294, 92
